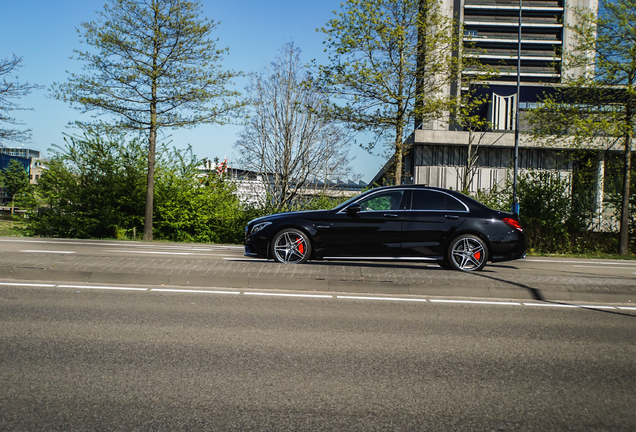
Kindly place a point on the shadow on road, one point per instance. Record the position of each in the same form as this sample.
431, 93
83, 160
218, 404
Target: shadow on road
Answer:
380, 264
536, 294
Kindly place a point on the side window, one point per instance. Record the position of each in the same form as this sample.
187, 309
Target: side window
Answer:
433, 200
382, 201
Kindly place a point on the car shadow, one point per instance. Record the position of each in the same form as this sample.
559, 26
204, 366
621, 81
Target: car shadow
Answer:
379, 264
536, 294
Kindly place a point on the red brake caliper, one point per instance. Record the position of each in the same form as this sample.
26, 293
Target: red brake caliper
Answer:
477, 255
301, 246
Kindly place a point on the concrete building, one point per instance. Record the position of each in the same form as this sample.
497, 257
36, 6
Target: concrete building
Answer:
438, 150
30, 159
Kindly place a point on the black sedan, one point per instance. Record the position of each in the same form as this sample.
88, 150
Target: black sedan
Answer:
395, 222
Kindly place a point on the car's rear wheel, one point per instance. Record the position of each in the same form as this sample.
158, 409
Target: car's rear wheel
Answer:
467, 253
291, 246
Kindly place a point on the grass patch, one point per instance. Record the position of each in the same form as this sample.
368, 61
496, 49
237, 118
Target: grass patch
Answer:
11, 228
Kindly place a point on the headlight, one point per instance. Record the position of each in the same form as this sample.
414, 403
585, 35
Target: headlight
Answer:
259, 226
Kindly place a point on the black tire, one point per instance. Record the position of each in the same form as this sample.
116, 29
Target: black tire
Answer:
291, 246
467, 253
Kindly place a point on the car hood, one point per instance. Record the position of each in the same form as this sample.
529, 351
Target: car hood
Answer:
303, 213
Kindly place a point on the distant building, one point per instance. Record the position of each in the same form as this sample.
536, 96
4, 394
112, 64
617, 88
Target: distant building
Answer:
30, 159
252, 190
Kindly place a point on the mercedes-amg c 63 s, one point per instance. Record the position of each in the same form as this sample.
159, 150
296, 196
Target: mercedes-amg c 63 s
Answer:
407, 222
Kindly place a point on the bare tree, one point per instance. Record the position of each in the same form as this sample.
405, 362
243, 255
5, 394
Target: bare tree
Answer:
10, 89
287, 139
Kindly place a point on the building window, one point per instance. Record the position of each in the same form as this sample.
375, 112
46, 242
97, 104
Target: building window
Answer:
502, 112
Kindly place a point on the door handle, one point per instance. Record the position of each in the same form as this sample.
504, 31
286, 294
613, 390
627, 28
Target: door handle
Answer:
451, 217
390, 215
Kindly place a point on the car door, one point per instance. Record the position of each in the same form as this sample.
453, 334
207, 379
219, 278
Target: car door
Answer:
432, 218
373, 231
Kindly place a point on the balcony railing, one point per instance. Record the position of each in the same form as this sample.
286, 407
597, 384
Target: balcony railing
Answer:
515, 3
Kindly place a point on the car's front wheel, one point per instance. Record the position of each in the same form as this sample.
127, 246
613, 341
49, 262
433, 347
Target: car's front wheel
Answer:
467, 253
291, 246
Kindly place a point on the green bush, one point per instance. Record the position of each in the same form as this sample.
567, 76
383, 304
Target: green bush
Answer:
556, 213
197, 207
94, 185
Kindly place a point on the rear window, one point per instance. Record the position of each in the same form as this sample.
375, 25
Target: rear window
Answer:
433, 200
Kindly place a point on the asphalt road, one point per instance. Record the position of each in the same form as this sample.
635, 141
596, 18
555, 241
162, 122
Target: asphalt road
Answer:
219, 266
83, 357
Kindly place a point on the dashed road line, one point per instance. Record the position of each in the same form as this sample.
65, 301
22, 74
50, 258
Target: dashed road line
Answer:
605, 267
569, 305
193, 291
380, 298
48, 251
476, 302
102, 287
317, 296
164, 252
252, 293
581, 262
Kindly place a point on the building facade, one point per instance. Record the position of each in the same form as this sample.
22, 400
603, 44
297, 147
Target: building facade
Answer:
439, 149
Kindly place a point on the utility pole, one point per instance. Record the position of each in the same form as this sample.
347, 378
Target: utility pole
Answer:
515, 200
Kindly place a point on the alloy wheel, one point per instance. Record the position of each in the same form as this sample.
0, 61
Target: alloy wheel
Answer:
468, 253
291, 247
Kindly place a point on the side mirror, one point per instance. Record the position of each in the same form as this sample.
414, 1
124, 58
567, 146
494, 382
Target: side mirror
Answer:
354, 209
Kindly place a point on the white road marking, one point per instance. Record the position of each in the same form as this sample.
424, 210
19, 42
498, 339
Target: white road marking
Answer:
570, 306
163, 252
325, 296
580, 262
27, 284
477, 302
592, 266
287, 295
48, 251
193, 291
245, 259
380, 298
102, 287
147, 252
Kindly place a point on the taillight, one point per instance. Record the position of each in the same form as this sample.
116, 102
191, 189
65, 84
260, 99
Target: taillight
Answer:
514, 223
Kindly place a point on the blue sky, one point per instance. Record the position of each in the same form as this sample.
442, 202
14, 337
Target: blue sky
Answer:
44, 33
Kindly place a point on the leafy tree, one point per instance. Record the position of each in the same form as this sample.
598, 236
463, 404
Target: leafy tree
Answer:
287, 138
596, 105
390, 62
15, 180
9, 90
153, 66
94, 185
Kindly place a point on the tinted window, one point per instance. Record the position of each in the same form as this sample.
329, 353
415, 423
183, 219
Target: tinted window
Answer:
382, 201
433, 200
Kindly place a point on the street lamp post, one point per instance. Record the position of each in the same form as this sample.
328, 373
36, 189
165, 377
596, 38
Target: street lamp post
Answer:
515, 200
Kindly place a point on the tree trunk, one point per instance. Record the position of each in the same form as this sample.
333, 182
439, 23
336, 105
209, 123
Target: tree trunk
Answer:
421, 67
150, 187
152, 137
623, 243
399, 154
